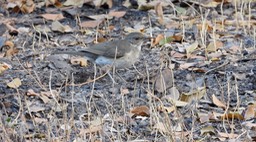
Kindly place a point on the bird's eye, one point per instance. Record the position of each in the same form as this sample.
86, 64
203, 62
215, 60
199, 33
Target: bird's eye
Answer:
137, 38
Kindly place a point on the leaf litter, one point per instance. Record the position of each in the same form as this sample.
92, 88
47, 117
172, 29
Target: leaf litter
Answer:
195, 80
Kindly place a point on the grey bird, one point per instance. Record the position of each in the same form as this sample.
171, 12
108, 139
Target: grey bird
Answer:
121, 53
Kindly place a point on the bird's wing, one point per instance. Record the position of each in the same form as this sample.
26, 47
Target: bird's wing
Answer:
110, 49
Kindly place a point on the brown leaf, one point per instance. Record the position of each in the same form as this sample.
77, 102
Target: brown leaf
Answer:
186, 65
158, 39
233, 115
91, 24
217, 102
176, 54
117, 14
53, 17
159, 13
140, 111
250, 112
31, 92
28, 6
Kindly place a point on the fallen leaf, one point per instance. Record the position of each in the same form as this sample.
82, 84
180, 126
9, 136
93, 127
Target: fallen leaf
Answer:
196, 94
36, 108
78, 3
15, 83
186, 65
92, 129
232, 115
176, 54
159, 12
91, 24
213, 46
250, 112
27, 6
217, 102
226, 135
117, 14
31, 92
4, 67
57, 26
191, 48
239, 76
99, 3
164, 80
207, 130
140, 111
53, 17
158, 39
124, 91
79, 61
161, 127
210, 4
166, 109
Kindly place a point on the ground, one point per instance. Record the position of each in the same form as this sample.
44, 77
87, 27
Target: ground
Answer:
195, 79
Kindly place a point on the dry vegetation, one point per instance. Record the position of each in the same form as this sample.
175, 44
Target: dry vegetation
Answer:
195, 80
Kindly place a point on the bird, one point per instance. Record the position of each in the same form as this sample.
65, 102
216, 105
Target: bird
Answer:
120, 53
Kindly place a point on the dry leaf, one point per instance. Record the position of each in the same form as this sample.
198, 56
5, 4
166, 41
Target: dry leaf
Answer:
176, 54
193, 95
239, 76
159, 13
217, 102
226, 135
36, 108
213, 46
140, 111
31, 92
53, 17
124, 91
78, 3
90, 130
161, 127
91, 24
210, 4
250, 112
207, 130
57, 26
99, 3
28, 6
117, 14
166, 109
233, 115
186, 65
158, 39
4, 67
191, 48
79, 61
164, 80
15, 83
